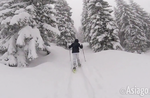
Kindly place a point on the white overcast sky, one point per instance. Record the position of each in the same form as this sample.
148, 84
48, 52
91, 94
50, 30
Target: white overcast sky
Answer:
77, 6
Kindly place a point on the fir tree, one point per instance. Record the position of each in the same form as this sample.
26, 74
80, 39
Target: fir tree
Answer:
100, 29
143, 16
65, 23
85, 20
44, 15
80, 34
84, 16
132, 35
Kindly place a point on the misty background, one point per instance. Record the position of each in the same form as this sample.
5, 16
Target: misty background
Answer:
77, 6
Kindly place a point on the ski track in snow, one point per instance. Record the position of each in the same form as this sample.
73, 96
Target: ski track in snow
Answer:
85, 83
88, 90
94, 80
63, 86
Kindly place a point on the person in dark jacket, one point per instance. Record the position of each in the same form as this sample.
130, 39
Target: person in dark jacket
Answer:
75, 52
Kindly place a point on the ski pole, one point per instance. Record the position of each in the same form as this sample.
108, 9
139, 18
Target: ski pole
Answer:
69, 54
70, 58
84, 55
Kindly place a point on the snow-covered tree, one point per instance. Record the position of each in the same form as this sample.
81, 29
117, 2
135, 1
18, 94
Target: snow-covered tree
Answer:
44, 15
65, 23
21, 35
80, 35
100, 31
143, 16
132, 34
84, 19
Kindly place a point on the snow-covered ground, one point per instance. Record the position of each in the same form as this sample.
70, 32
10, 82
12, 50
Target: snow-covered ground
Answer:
104, 75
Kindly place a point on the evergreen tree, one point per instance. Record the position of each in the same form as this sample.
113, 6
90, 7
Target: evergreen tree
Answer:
80, 34
65, 23
100, 29
21, 34
132, 35
84, 20
143, 16
44, 15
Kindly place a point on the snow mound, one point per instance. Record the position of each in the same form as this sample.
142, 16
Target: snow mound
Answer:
118, 70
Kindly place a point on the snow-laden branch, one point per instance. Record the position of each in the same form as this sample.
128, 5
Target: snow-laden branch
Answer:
49, 27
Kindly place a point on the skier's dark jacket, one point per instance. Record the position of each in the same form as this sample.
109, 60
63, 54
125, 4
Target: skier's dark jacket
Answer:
75, 46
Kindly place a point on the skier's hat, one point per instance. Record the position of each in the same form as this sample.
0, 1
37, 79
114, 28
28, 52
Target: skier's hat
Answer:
76, 40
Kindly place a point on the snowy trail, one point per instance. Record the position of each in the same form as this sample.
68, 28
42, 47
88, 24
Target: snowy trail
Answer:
62, 86
80, 88
51, 76
74, 85
95, 81
71, 85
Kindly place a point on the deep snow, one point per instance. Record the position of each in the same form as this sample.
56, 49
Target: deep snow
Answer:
102, 76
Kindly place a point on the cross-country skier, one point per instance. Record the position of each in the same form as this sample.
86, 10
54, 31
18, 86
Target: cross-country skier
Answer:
75, 53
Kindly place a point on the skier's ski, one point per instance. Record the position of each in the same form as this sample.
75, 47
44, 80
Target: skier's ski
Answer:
74, 69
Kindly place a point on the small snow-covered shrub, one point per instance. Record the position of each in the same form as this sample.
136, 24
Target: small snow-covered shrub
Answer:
25, 28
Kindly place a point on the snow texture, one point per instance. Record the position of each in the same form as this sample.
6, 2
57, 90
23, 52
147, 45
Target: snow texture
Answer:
49, 27
19, 11
102, 76
5, 11
30, 7
20, 17
30, 33
7, 20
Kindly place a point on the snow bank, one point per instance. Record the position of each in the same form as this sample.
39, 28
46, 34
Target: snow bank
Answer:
114, 71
